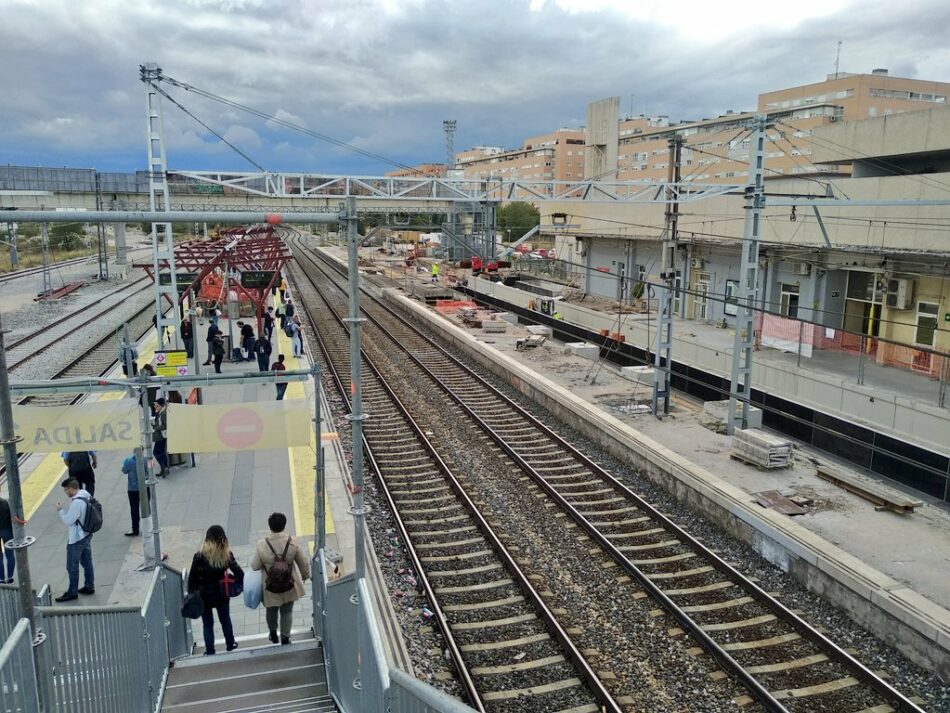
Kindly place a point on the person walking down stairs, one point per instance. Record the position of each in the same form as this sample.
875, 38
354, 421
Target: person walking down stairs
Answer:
286, 567
213, 571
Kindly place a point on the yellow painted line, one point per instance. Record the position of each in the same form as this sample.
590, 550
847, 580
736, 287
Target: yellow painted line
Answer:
301, 458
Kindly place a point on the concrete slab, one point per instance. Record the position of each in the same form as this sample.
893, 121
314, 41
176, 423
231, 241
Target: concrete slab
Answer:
582, 349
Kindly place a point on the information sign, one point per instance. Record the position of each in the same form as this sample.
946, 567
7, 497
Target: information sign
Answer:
256, 279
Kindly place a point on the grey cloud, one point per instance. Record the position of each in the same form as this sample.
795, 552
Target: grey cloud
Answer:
385, 81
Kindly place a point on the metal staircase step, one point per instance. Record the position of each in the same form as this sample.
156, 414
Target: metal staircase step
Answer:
283, 679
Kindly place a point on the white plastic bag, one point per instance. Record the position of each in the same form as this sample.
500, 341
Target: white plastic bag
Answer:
253, 588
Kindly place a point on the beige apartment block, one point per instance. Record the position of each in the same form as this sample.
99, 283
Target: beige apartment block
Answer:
557, 156
423, 170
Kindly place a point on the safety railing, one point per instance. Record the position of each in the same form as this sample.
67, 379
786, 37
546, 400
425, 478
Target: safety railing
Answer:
18, 684
358, 674
10, 612
94, 659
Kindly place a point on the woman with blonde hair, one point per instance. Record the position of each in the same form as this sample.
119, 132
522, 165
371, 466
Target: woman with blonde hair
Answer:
217, 576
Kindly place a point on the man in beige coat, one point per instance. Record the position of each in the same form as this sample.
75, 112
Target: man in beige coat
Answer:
268, 551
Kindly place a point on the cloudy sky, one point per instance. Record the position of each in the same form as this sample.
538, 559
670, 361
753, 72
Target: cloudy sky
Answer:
383, 74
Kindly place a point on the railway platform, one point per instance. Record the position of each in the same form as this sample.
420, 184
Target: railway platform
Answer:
237, 490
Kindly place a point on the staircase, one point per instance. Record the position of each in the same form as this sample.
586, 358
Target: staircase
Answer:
277, 679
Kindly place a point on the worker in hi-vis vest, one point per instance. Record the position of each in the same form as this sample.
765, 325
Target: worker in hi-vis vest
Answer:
435, 272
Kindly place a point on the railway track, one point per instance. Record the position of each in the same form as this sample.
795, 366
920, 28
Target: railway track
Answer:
783, 663
22, 351
26, 272
485, 606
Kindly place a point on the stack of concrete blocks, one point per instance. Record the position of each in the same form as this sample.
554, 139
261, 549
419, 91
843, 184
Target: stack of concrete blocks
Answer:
719, 410
762, 449
582, 349
640, 375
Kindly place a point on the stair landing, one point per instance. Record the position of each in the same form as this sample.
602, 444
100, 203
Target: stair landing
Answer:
276, 679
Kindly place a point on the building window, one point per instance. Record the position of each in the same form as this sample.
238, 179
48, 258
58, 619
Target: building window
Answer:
789, 300
926, 323
731, 305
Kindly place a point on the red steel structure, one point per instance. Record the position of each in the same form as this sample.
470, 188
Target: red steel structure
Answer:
237, 249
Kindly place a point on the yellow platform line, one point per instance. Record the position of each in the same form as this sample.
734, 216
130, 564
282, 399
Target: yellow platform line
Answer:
301, 458
50, 471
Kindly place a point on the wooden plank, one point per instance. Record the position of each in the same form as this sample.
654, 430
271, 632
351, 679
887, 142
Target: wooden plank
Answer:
879, 495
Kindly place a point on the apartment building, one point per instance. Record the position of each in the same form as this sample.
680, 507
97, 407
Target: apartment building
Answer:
423, 170
716, 150
556, 156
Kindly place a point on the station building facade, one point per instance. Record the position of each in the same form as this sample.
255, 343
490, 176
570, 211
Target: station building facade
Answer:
884, 271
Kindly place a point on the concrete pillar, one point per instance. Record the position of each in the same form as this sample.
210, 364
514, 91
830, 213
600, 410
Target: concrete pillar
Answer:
120, 250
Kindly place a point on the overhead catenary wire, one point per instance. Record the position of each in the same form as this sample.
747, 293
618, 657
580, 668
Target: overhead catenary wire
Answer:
286, 124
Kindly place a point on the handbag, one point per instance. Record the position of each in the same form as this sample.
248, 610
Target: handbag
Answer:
193, 605
230, 586
253, 588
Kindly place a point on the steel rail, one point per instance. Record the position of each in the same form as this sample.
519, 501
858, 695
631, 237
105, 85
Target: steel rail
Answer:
588, 674
802, 627
10, 347
27, 271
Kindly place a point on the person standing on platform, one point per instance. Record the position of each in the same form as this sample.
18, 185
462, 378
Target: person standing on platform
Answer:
283, 287
217, 351
131, 472
263, 351
151, 392
213, 331
296, 338
160, 436
8, 561
210, 565
247, 339
286, 568
435, 272
282, 315
81, 466
133, 354
268, 323
290, 309
188, 336
78, 542
280, 366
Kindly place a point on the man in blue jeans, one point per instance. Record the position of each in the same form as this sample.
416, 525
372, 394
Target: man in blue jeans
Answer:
79, 542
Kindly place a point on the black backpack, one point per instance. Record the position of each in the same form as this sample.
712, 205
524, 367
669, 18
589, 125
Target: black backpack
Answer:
92, 519
280, 576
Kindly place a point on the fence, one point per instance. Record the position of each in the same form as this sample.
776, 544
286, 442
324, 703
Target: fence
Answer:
18, 685
358, 675
10, 606
916, 372
95, 659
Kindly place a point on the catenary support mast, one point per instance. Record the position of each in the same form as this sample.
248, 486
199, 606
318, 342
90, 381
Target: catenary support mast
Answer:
664, 327
748, 281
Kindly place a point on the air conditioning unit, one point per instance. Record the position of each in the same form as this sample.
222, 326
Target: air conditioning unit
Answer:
900, 293
802, 268
696, 262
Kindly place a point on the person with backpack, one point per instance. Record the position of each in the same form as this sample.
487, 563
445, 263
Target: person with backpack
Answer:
289, 310
280, 366
268, 328
263, 351
296, 337
217, 577
82, 517
81, 465
247, 340
213, 331
286, 567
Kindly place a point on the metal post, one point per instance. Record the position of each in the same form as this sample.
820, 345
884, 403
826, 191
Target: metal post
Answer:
227, 309
47, 274
163, 248
319, 482
14, 256
20, 541
744, 343
664, 314
102, 244
146, 474
192, 314
121, 251
861, 357
356, 416
801, 335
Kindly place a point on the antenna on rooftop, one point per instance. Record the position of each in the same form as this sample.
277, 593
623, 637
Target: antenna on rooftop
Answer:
837, 59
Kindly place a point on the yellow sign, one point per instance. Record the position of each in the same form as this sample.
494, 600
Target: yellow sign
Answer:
171, 371
99, 426
176, 358
238, 427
